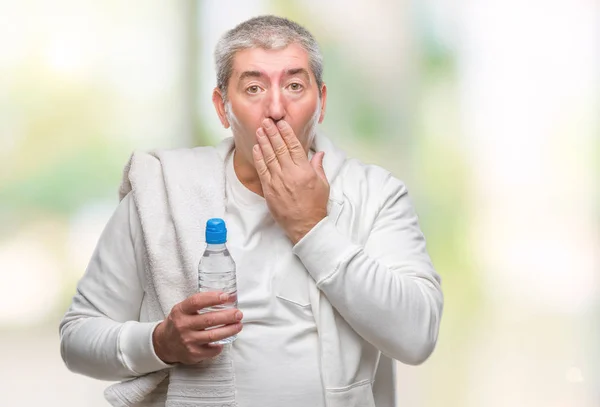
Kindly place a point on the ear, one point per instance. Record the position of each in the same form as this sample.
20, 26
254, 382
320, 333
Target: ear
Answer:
217, 98
323, 102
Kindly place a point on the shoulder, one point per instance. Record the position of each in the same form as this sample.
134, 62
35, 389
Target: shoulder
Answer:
145, 168
368, 182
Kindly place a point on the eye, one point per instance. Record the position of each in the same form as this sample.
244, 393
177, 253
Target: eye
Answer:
253, 90
295, 86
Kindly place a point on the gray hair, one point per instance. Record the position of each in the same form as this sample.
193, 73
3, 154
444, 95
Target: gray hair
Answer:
267, 32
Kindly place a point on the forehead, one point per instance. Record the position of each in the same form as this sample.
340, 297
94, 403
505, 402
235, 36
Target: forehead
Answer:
270, 61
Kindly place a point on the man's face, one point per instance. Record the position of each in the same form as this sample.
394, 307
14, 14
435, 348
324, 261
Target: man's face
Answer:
275, 84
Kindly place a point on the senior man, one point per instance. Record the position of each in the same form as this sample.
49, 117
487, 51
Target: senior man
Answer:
334, 280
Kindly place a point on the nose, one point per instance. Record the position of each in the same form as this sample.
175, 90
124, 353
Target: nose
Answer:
275, 109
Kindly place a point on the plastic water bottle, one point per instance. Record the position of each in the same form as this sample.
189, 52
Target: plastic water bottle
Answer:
216, 270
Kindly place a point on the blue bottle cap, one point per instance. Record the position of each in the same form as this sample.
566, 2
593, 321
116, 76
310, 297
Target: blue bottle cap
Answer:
216, 232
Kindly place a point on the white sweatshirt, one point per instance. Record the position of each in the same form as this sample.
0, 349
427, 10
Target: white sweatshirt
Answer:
276, 357
367, 258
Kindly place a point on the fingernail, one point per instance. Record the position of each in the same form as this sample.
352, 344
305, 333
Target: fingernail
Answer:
266, 123
260, 132
224, 297
238, 315
281, 124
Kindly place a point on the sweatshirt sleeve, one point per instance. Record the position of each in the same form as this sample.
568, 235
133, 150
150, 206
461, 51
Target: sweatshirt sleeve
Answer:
387, 290
100, 334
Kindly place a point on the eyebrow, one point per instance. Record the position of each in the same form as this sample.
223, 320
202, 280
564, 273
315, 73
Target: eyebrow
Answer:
296, 71
289, 72
250, 74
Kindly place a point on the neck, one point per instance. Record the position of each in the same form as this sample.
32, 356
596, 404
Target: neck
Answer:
246, 173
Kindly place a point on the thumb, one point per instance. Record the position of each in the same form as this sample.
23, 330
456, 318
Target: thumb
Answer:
317, 163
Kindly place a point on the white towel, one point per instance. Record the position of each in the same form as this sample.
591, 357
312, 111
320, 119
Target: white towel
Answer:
176, 192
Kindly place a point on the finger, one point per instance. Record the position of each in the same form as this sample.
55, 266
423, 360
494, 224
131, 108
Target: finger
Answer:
267, 152
215, 318
294, 146
261, 167
216, 334
279, 146
214, 346
203, 352
211, 350
198, 301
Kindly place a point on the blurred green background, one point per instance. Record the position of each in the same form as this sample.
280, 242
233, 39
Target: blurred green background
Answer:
488, 110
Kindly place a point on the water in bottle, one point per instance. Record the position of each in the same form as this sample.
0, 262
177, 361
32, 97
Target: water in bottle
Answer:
216, 270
